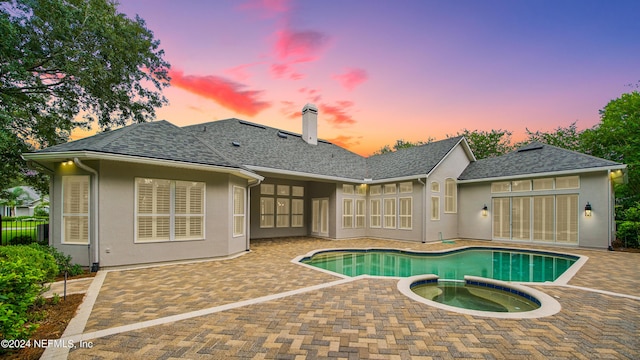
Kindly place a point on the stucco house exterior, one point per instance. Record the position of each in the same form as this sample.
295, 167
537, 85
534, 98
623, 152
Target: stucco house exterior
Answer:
156, 192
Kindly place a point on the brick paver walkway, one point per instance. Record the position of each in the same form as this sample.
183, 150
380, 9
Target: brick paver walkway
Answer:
248, 308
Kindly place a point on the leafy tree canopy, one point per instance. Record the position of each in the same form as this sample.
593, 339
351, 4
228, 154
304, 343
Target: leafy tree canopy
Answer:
401, 144
617, 138
564, 137
486, 144
66, 64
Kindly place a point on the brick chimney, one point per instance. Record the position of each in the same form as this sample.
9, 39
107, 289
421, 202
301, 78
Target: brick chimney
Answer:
310, 124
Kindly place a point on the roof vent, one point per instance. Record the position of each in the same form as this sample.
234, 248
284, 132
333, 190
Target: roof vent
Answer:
251, 124
282, 135
235, 143
533, 146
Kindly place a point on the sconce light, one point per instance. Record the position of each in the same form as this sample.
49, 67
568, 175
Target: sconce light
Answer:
587, 210
67, 163
485, 210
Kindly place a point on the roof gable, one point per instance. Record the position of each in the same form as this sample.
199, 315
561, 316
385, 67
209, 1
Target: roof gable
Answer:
417, 160
533, 158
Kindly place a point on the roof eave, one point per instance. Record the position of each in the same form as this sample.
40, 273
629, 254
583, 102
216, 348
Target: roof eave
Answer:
93, 155
543, 174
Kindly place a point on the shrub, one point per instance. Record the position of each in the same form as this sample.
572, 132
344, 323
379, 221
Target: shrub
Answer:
628, 228
23, 272
63, 261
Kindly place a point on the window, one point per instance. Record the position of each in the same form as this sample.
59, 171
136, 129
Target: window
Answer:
347, 189
375, 190
375, 213
282, 212
283, 190
521, 218
238, 211
567, 218
168, 210
390, 189
267, 212
360, 213
390, 213
297, 213
501, 218
435, 186
405, 213
500, 187
267, 189
406, 187
75, 209
361, 190
189, 210
568, 182
347, 213
543, 217
435, 208
543, 184
450, 196
521, 185
297, 191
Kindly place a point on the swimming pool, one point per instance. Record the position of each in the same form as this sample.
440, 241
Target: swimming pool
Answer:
488, 262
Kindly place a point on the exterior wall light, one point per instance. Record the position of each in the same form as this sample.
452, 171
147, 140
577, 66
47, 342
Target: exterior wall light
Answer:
587, 210
485, 210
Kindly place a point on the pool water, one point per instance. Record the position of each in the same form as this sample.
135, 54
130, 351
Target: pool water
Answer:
474, 297
494, 263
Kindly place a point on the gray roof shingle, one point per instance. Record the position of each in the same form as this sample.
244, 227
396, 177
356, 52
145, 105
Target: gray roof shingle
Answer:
156, 140
411, 161
534, 158
258, 145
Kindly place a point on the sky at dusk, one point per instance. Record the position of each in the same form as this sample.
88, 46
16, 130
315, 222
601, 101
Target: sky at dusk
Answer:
385, 70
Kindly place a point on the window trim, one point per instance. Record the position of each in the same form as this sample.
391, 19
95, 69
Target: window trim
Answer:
360, 217
435, 216
390, 216
347, 215
66, 215
452, 196
172, 212
405, 216
237, 215
373, 216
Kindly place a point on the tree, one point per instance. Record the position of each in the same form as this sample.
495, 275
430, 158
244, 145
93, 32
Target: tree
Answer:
486, 144
401, 144
66, 64
565, 137
16, 197
617, 138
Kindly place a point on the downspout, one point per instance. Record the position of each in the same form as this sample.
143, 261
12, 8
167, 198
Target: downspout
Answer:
95, 264
423, 221
248, 209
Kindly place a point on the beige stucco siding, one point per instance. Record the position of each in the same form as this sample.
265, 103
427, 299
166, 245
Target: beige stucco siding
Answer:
592, 231
450, 168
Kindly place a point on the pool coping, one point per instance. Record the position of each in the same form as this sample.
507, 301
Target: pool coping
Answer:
548, 305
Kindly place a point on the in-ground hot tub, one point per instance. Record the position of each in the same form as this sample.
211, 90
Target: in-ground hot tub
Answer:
479, 296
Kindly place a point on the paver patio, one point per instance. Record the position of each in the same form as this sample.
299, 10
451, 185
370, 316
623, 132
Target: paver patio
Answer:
260, 305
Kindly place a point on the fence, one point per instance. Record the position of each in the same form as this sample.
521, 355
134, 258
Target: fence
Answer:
15, 231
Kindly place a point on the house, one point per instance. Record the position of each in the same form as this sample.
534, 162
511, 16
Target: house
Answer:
26, 202
156, 192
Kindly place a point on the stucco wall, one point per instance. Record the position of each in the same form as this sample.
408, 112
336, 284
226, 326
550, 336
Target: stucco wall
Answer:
592, 231
257, 232
117, 216
450, 168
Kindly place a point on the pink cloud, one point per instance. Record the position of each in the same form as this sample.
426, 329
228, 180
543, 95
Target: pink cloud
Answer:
338, 114
351, 78
224, 92
240, 72
297, 45
345, 141
313, 95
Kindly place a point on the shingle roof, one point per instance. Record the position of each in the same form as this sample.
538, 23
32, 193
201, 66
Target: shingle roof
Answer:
156, 140
533, 158
258, 145
416, 160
